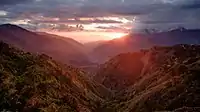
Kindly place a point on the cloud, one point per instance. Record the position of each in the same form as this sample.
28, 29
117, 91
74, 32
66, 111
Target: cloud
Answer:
13, 2
193, 5
148, 13
113, 29
3, 13
169, 18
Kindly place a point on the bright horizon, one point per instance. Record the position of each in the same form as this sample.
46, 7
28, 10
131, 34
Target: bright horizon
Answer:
85, 37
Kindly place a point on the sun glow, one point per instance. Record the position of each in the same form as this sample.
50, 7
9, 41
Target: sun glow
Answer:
113, 35
85, 37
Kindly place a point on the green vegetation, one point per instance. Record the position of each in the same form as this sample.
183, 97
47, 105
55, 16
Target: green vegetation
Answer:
168, 79
159, 79
31, 82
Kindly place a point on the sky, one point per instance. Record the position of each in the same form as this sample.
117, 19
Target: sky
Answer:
93, 20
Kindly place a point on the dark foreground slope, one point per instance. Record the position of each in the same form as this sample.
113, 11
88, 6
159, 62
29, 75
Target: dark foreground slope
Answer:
159, 79
162, 78
37, 83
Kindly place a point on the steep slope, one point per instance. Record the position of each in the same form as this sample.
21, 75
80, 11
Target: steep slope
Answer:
121, 71
135, 42
30, 83
162, 78
60, 48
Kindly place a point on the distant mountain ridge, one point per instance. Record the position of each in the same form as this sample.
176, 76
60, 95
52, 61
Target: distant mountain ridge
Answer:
135, 42
63, 49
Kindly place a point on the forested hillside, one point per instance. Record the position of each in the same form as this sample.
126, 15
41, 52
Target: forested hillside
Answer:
157, 79
30, 82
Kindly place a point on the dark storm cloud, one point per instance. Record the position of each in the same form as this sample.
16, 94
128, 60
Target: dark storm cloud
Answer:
13, 2
171, 18
191, 6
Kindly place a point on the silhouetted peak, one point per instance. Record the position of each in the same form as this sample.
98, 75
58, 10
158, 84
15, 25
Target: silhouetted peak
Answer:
11, 27
8, 25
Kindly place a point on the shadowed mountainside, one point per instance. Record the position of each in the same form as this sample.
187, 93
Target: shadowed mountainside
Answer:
162, 78
62, 49
30, 83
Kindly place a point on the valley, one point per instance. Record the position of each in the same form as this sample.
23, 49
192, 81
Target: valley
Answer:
48, 73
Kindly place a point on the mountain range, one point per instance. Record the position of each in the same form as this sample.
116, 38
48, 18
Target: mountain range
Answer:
135, 42
143, 74
157, 79
62, 49
72, 52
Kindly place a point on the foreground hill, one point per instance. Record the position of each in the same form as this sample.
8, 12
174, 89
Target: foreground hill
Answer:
62, 49
30, 83
135, 42
158, 79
